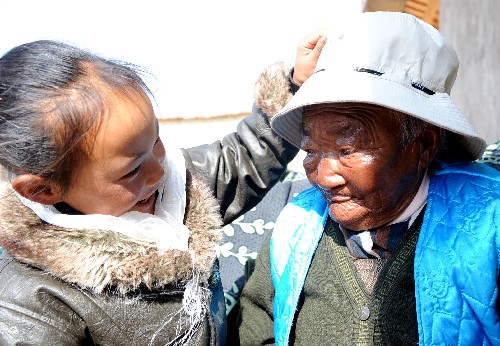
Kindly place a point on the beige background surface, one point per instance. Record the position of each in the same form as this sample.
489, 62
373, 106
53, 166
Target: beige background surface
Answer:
473, 29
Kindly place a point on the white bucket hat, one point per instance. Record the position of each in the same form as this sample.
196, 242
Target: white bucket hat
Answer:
389, 59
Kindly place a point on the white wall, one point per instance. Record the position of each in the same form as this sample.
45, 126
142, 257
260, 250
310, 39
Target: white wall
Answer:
206, 55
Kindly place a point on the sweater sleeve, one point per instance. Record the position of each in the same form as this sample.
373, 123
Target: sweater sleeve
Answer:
255, 320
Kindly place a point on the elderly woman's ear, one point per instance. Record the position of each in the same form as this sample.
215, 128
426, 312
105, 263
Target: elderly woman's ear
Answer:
430, 141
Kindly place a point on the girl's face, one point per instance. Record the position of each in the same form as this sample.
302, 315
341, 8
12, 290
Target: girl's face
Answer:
124, 169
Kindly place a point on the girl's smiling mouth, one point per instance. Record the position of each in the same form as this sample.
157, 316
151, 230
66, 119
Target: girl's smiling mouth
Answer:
146, 205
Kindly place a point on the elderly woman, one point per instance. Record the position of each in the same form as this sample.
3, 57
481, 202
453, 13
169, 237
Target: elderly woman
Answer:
398, 241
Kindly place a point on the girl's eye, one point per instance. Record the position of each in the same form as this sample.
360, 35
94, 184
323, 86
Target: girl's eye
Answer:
132, 172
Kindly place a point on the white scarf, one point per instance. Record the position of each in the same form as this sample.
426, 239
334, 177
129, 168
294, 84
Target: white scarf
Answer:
165, 228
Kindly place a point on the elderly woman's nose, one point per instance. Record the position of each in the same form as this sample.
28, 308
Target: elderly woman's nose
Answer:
328, 173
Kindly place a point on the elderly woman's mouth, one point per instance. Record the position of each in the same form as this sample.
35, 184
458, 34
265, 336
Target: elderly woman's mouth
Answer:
336, 198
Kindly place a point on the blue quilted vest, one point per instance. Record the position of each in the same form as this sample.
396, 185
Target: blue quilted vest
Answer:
457, 258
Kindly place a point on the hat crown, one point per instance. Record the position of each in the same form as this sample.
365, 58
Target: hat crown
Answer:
392, 44
392, 60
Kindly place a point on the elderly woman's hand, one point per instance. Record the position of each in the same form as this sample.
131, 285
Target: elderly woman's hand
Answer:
308, 53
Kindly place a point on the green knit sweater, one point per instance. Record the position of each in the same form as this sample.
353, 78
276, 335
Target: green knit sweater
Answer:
335, 307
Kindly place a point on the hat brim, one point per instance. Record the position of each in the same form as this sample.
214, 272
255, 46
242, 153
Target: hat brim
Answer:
339, 87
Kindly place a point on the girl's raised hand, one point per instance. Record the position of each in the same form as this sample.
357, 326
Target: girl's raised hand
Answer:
308, 52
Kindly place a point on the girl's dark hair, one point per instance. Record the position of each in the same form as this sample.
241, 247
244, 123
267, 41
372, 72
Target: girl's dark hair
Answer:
51, 96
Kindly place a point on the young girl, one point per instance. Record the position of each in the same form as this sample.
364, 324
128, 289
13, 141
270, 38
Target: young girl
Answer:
110, 237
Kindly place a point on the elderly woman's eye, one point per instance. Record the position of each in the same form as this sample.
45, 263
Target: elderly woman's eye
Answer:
346, 151
307, 147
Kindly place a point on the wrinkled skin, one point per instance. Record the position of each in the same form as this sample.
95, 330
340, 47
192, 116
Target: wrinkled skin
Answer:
357, 159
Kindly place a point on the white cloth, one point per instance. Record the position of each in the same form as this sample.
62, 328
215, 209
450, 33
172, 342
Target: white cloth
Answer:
165, 228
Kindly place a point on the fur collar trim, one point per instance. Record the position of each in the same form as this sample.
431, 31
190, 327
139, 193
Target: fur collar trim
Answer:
96, 259
272, 88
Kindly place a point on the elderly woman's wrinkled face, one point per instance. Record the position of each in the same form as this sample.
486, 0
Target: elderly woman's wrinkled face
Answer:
356, 158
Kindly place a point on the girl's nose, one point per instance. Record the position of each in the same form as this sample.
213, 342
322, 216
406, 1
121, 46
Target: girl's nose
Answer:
156, 170
328, 173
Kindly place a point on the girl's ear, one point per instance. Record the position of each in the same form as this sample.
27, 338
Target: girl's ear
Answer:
37, 189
